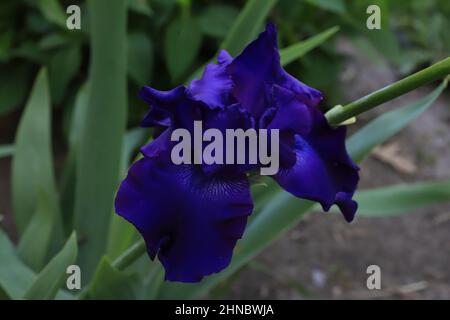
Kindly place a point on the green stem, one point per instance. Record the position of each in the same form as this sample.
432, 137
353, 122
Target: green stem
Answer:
131, 255
435, 72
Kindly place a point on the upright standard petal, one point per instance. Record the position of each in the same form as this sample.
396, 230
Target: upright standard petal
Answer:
190, 220
323, 171
162, 104
253, 71
214, 88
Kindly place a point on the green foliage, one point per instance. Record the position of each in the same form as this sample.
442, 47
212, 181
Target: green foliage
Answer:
98, 159
111, 283
247, 25
216, 20
297, 50
402, 198
32, 166
13, 87
182, 43
388, 124
140, 58
49, 280
32, 249
15, 277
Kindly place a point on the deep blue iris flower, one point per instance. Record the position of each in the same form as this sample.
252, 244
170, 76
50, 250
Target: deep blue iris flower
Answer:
191, 216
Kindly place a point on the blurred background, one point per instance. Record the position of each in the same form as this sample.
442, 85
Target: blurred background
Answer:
322, 257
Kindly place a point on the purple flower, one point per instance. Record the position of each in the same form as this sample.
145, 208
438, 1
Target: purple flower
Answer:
191, 215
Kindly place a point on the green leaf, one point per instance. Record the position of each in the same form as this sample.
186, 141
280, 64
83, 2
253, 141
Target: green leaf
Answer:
247, 25
14, 84
109, 283
99, 153
51, 278
298, 50
6, 150
4, 295
53, 11
387, 125
181, 44
140, 58
217, 19
121, 233
32, 249
140, 6
68, 180
336, 6
32, 165
15, 277
401, 198
63, 66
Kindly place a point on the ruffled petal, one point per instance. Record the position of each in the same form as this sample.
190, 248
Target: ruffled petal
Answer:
253, 70
323, 171
292, 113
214, 88
162, 104
308, 95
159, 145
191, 221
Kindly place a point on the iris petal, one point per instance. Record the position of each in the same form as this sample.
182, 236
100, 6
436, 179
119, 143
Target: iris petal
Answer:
162, 104
323, 171
308, 95
214, 88
253, 70
292, 113
191, 221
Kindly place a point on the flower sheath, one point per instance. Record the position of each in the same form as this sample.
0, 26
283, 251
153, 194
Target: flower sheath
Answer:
191, 215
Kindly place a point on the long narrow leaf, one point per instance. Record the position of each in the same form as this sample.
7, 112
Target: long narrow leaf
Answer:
247, 25
50, 279
121, 233
33, 249
15, 277
111, 283
402, 198
387, 125
99, 156
298, 50
32, 165
69, 177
